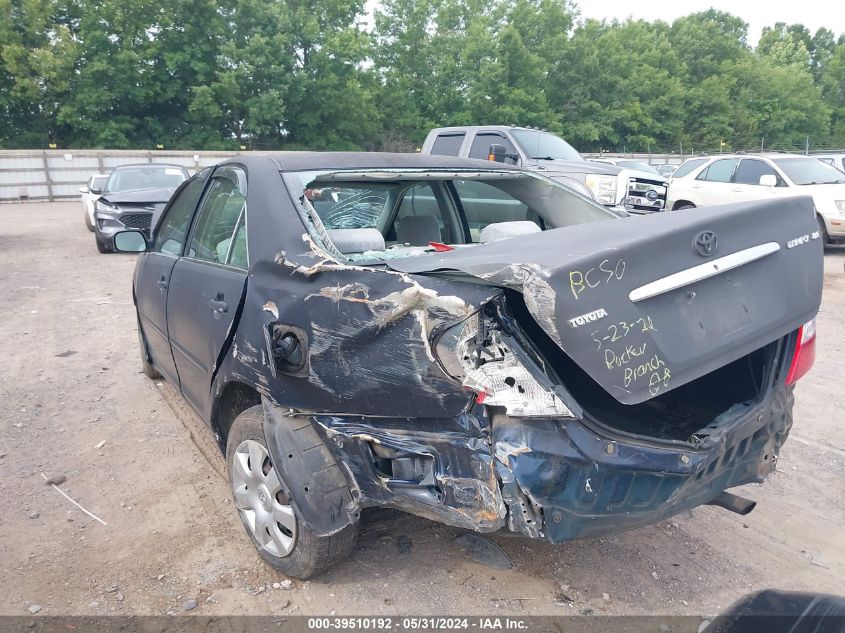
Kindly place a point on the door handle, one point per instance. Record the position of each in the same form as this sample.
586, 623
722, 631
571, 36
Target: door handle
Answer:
218, 306
162, 284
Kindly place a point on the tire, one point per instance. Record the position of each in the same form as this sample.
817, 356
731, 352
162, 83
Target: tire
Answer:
149, 370
685, 206
262, 498
88, 221
823, 231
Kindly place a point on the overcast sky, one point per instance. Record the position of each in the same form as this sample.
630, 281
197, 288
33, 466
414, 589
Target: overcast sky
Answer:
811, 13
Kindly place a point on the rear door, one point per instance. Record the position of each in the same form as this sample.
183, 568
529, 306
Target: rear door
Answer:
152, 274
207, 285
713, 185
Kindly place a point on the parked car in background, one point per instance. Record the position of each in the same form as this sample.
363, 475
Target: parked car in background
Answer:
621, 188
742, 177
470, 342
837, 160
90, 192
133, 197
628, 163
686, 168
666, 170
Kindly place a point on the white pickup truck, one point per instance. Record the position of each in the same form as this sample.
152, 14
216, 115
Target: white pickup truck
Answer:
621, 188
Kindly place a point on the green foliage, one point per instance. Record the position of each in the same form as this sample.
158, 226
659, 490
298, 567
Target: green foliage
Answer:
322, 74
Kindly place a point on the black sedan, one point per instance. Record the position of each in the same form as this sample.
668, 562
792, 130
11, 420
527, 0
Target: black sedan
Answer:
472, 343
134, 197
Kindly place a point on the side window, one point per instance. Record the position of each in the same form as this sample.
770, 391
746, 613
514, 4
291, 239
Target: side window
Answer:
419, 219
173, 226
349, 205
750, 170
688, 166
719, 171
482, 142
448, 144
238, 252
218, 216
485, 204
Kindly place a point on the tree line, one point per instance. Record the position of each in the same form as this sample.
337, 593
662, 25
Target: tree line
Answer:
323, 74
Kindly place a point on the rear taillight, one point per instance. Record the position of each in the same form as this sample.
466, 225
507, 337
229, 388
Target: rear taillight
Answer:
805, 352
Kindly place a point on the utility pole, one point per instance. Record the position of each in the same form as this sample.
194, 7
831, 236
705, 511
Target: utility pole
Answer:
807, 146
762, 138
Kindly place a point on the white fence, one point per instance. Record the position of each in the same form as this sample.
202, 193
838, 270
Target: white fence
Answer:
650, 159
58, 174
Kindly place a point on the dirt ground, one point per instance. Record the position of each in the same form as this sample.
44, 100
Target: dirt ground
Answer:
74, 402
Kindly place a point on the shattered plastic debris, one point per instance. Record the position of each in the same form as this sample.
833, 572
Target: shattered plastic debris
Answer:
484, 551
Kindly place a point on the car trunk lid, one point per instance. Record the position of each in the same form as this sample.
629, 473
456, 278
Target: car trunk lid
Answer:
647, 304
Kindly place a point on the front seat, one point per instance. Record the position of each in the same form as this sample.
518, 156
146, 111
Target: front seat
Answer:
418, 230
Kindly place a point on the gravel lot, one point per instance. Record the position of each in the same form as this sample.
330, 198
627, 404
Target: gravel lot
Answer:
76, 403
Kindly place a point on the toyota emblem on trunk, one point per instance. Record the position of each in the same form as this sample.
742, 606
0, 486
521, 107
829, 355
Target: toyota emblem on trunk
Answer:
705, 243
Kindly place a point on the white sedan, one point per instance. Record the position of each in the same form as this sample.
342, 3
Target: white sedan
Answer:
737, 178
90, 192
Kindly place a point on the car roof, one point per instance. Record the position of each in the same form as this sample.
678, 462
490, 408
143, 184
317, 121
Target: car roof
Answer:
767, 155
136, 165
322, 161
475, 128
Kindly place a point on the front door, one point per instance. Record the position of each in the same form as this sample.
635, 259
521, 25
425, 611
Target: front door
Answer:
746, 181
207, 285
152, 276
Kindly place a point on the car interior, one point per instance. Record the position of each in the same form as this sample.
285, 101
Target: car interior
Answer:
406, 216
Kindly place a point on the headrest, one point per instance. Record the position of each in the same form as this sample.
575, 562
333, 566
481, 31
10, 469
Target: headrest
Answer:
356, 240
503, 230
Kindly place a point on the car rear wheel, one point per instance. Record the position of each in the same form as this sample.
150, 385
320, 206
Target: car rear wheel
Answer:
262, 498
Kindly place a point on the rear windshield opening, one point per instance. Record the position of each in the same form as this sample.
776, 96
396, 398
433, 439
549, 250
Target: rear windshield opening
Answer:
687, 413
374, 216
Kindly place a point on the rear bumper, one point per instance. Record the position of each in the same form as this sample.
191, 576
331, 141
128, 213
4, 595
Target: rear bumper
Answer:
588, 483
549, 478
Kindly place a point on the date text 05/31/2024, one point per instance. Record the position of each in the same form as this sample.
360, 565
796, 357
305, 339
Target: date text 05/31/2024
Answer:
431, 623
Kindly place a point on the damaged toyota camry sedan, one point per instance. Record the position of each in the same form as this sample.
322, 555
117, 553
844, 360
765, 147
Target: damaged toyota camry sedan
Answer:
471, 343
